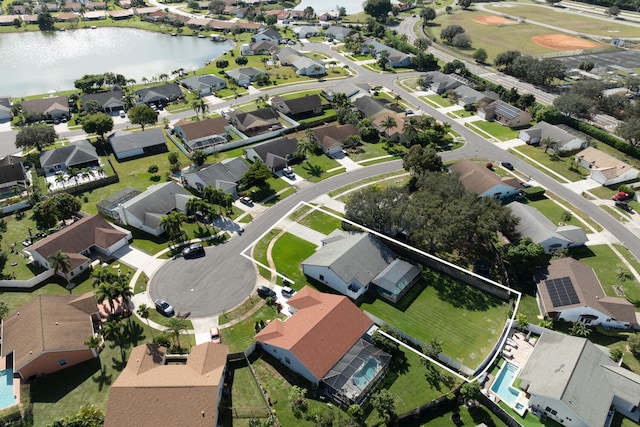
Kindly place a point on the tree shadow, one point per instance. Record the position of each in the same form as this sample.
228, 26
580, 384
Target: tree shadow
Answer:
461, 295
314, 170
102, 379
132, 333
201, 232
481, 415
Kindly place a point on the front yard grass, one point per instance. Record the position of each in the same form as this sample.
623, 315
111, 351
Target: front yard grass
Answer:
467, 320
552, 211
371, 151
288, 252
240, 336
559, 165
495, 129
321, 222
436, 101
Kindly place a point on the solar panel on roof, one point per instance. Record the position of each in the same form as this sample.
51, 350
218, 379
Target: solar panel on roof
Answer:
561, 291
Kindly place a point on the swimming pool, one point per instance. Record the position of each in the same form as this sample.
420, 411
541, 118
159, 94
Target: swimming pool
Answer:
366, 373
502, 384
7, 398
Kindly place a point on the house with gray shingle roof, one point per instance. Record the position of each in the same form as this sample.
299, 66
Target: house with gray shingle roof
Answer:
138, 144
396, 58
505, 114
5, 108
269, 34
224, 175
110, 102
204, 85
259, 48
277, 154
574, 382
159, 94
564, 141
244, 76
78, 154
255, 122
337, 32
55, 107
12, 174
352, 263
145, 211
439, 82
539, 229
468, 97
305, 31
568, 289
298, 108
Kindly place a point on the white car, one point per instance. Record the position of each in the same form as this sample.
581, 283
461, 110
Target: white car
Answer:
122, 114
288, 172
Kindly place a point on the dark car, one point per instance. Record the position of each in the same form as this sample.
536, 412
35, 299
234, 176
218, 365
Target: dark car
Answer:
265, 292
624, 206
287, 292
193, 250
164, 308
246, 201
507, 165
621, 196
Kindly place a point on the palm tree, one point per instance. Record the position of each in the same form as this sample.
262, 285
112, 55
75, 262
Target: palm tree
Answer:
101, 275
176, 326
60, 263
85, 173
61, 179
94, 343
107, 292
164, 77
100, 171
410, 126
548, 142
305, 145
172, 224
193, 205
112, 330
144, 312
388, 123
124, 291
622, 275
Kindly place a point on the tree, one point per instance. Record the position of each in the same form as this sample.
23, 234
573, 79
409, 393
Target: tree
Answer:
89, 83
480, 55
153, 169
242, 60
465, 4
580, 330
616, 354
4, 310
46, 21
633, 341
428, 14
422, 44
575, 105
143, 115
622, 275
424, 60
172, 224
462, 40
470, 391
449, 32
524, 255
257, 175
306, 145
98, 123
352, 141
356, 412
93, 343
297, 401
308, 13
60, 263
176, 326
419, 160
36, 136
434, 348
198, 157
388, 123
504, 60
586, 65
613, 11
385, 404
216, 6
378, 9
383, 59
144, 312
629, 130
522, 321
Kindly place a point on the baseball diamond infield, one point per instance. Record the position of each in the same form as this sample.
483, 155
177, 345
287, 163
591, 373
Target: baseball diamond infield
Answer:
494, 20
563, 42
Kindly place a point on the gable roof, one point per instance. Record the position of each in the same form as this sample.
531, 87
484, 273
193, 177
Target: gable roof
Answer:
75, 153
48, 323
203, 128
338, 31
539, 228
353, 256
368, 106
45, 105
276, 152
330, 136
191, 388
165, 91
157, 201
546, 130
244, 73
300, 105
347, 88
91, 230
256, 118
11, 170
320, 332
608, 165
104, 98
135, 140
476, 178
504, 109
224, 175
202, 82
271, 33
379, 119
587, 287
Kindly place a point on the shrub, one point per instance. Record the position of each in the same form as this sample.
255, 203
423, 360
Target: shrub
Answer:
616, 354
533, 193
627, 189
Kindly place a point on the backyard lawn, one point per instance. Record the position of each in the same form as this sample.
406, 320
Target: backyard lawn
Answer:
240, 336
246, 398
467, 320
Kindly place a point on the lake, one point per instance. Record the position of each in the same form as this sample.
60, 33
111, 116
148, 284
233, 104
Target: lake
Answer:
352, 6
37, 62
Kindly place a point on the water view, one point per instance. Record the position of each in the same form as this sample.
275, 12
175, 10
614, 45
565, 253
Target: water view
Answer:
43, 62
352, 6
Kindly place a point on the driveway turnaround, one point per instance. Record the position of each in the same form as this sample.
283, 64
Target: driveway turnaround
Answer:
205, 286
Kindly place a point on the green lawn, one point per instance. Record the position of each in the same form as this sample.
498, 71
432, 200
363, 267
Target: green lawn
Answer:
579, 213
467, 320
288, 252
240, 336
552, 211
461, 114
383, 177
436, 101
370, 151
495, 129
315, 165
559, 165
246, 397
321, 222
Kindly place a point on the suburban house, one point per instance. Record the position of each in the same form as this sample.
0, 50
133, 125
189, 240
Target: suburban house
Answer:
78, 154
127, 145
467, 97
535, 225
204, 85
224, 175
244, 76
395, 133
162, 94
505, 114
55, 107
109, 102
66, 17
303, 65
269, 34
323, 341
351, 262
330, 138
572, 381
298, 108
203, 134
255, 122
439, 82
476, 178
87, 238
145, 211
570, 290
117, 15
12, 175
559, 139
305, 31
107, 207
5, 109
49, 333
396, 58
277, 154
368, 106
337, 32
328, 15
350, 90
605, 169
194, 387
94, 15
263, 47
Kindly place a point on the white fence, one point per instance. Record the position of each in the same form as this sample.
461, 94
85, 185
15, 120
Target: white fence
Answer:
27, 284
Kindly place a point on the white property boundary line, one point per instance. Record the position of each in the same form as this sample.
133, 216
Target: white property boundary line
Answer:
508, 324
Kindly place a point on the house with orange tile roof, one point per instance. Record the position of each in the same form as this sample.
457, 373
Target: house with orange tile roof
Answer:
87, 236
49, 332
153, 390
324, 341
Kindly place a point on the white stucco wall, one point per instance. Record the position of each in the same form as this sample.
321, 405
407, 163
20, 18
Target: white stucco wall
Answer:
290, 361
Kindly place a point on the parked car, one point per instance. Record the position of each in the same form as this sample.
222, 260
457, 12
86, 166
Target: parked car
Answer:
265, 292
287, 292
621, 196
288, 172
507, 165
164, 308
193, 250
624, 206
122, 114
215, 335
246, 201
525, 184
